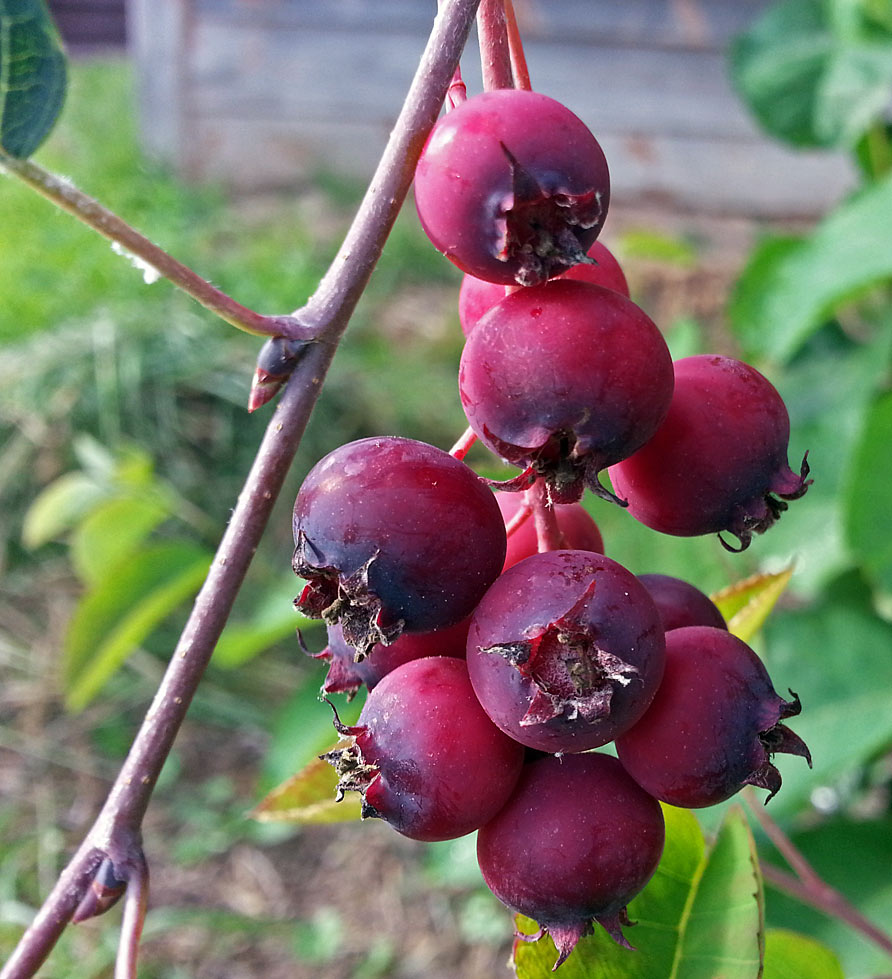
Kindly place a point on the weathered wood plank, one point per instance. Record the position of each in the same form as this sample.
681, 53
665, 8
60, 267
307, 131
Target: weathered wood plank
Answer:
698, 23
690, 173
89, 23
259, 93
634, 89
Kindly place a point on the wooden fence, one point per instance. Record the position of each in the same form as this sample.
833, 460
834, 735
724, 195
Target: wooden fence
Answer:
261, 93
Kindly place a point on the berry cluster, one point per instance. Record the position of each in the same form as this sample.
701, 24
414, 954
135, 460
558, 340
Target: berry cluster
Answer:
498, 643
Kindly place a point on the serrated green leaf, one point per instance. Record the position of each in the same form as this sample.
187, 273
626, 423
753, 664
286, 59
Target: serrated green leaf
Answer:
59, 507
746, 604
868, 502
814, 73
32, 76
789, 955
789, 289
309, 797
112, 531
123, 609
701, 916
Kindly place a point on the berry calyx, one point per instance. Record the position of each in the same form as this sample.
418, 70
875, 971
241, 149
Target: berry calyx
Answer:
512, 187
346, 674
718, 463
577, 840
714, 724
567, 378
477, 296
394, 535
424, 755
565, 650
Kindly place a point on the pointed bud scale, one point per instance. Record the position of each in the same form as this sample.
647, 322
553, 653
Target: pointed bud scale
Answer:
714, 725
577, 840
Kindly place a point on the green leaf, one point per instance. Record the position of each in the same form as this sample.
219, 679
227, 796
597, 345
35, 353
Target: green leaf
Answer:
701, 915
111, 531
656, 246
32, 75
302, 730
746, 604
123, 609
271, 621
790, 288
835, 655
59, 507
854, 857
814, 73
827, 390
789, 955
868, 501
309, 797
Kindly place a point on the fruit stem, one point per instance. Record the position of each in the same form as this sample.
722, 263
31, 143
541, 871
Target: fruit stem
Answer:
117, 827
61, 192
548, 533
136, 903
519, 69
524, 512
463, 445
828, 900
495, 56
457, 91
805, 884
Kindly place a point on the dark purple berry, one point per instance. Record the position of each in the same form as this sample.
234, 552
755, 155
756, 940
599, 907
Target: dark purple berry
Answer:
347, 675
575, 843
425, 756
577, 527
719, 460
681, 603
565, 651
394, 535
477, 296
567, 378
713, 726
512, 187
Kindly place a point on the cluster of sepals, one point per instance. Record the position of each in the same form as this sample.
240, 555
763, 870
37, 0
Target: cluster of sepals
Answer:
494, 671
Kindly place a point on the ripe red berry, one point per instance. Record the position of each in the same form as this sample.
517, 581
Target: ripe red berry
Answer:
477, 296
347, 675
575, 843
713, 726
568, 378
680, 603
424, 755
719, 460
578, 529
394, 535
565, 650
512, 187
